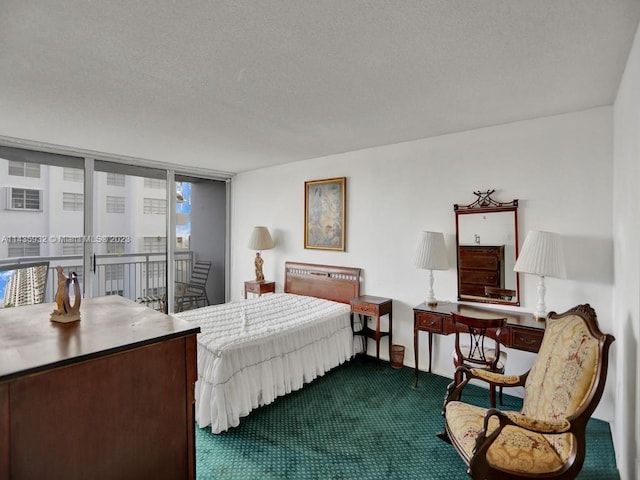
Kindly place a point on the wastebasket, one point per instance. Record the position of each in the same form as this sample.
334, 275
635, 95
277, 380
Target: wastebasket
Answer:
397, 356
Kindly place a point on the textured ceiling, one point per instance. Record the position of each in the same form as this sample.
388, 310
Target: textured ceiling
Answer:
237, 85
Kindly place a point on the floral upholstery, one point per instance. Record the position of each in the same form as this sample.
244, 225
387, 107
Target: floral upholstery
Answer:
515, 449
558, 389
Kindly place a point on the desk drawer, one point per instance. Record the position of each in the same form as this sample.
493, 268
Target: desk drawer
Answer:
526, 338
365, 308
431, 322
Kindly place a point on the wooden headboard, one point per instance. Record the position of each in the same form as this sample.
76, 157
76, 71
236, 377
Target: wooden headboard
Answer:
339, 284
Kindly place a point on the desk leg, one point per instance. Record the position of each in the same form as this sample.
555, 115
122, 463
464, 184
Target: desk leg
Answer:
415, 352
378, 342
430, 348
390, 334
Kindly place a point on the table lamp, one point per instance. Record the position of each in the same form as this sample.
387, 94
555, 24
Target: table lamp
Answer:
541, 255
431, 254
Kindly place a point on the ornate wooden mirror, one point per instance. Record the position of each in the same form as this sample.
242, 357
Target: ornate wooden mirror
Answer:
487, 248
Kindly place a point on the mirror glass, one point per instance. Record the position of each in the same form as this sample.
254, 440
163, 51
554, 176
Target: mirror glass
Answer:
487, 248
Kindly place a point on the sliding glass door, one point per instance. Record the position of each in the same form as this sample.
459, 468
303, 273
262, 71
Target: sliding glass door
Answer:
129, 237
42, 218
200, 235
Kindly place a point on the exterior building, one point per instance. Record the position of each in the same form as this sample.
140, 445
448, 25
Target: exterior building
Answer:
42, 214
25, 286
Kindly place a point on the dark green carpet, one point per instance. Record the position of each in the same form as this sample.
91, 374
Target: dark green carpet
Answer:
359, 423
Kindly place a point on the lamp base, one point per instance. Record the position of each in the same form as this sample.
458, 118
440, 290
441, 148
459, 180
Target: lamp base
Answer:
258, 266
540, 316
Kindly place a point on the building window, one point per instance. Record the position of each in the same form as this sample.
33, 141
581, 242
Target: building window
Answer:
19, 248
73, 174
72, 248
154, 292
155, 244
115, 247
155, 206
24, 169
72, 202
116, 179
115, 204
115, 292
24, 199
158, 183
114, 272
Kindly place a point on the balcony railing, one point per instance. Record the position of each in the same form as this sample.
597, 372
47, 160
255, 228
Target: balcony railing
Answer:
130, 275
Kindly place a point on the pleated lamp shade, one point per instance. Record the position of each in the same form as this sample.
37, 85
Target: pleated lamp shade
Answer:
260, 239
431, 252
542, 255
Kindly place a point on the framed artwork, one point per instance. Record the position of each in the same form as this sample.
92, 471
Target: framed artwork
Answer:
324, 214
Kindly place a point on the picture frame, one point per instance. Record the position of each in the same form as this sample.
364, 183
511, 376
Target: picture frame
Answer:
325, 214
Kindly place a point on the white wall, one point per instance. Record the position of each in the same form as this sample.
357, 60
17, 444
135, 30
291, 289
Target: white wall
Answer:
560, 168
626, 301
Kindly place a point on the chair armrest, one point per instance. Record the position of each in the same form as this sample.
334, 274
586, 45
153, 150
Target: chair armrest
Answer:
528, 423
193, 289
454, 391
498, 379
181, 288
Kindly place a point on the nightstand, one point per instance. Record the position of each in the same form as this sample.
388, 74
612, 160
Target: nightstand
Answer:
373, 307
259, 288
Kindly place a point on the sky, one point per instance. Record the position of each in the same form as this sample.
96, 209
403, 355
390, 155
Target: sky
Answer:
4, 278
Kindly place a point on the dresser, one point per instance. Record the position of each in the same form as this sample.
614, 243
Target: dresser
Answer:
523, 331
110, 396
480, 266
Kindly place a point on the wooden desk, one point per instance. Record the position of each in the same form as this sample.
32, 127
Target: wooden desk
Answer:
110, 396
523, 331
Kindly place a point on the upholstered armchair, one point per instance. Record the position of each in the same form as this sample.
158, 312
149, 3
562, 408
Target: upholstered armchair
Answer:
562, 389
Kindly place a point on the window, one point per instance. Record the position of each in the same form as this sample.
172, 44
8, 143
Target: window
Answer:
24, 169
116, 179
115, 204
155, 244
115, 247
24, 199
72, 202
158, 183
73, 174
19, 248
115, 292
72, 248
155, 206
114, 272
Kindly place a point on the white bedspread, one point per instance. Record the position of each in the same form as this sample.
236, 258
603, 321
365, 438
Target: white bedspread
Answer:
251, 352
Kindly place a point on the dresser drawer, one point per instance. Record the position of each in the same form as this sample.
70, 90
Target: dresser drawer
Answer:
429, 321
526, 338
479, 262
365, 308
480, 277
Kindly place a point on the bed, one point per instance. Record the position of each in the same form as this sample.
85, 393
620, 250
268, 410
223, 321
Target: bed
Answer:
252, 351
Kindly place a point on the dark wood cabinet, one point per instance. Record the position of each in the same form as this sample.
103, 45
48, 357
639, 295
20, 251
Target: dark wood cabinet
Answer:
110, 396
480, 266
